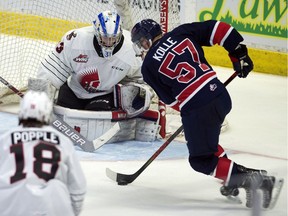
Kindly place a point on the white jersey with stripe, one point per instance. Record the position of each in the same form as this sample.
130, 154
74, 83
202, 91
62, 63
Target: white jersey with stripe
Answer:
76, 61
39, 166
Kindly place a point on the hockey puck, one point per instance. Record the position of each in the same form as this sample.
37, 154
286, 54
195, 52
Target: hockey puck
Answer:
122, 183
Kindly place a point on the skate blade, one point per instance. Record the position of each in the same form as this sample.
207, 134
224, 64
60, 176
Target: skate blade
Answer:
234, 199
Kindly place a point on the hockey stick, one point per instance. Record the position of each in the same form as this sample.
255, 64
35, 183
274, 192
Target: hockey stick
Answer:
124, 179
104, 138
67, 130
11, 87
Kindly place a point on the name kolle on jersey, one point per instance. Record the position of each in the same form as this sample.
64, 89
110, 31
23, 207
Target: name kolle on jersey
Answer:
26, 136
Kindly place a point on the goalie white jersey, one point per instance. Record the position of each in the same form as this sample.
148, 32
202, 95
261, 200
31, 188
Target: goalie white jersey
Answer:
39, 171
78, 57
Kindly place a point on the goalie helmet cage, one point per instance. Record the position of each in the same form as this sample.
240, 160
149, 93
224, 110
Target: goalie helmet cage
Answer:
31, 29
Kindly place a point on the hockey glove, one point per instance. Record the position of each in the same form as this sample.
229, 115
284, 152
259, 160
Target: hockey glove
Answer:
242, 63
133, 98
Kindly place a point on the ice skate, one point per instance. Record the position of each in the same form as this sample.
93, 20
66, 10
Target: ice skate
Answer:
267, 187
251, 182
271, 189
243, 169
231, 192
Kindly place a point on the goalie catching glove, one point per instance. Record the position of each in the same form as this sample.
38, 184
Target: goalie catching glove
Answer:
133, 98
242, 63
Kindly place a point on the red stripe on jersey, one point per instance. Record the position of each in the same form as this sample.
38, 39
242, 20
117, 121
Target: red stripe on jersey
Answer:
176, 107
220, 32
194, 87
224, 169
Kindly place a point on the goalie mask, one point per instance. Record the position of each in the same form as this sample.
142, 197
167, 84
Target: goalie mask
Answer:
35, 105
142, 35
108, 31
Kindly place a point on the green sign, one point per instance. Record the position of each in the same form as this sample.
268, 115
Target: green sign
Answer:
262, 17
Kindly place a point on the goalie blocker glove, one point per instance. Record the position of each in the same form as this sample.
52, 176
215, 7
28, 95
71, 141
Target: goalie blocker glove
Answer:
242, 63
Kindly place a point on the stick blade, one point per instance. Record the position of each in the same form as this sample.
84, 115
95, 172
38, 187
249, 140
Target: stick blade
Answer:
111, 174
121, 179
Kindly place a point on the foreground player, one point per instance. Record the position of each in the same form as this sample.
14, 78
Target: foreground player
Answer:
175, 67
87, 65
39, 171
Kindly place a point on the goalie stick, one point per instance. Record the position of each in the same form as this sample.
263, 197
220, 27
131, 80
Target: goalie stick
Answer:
124, 179
67, 130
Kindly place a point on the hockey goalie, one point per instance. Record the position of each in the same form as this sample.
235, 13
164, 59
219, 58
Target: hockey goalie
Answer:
98, 82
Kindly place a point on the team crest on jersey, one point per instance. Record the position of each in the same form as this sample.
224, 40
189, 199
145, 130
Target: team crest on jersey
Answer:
89, 80
213, 87
82, 58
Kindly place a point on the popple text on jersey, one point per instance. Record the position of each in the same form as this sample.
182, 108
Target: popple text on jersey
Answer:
26, 136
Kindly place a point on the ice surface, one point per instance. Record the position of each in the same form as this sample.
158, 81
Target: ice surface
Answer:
256, 137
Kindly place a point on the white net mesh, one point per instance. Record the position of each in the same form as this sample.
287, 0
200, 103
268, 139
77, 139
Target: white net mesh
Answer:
29, 29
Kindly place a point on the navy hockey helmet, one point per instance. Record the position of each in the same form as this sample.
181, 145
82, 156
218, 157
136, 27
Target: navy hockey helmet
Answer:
147, 29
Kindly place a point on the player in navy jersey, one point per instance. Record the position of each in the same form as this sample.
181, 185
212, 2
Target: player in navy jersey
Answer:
174, 65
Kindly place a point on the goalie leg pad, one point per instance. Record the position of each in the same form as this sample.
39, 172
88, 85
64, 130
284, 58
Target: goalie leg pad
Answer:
93, 124
94, 128
90, 124
89, 128
126, 132
147, 127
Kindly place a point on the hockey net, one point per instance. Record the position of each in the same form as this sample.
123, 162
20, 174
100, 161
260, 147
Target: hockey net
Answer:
31, 29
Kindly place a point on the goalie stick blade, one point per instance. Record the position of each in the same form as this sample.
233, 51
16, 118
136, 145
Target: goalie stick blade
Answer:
100, 141
121, 179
